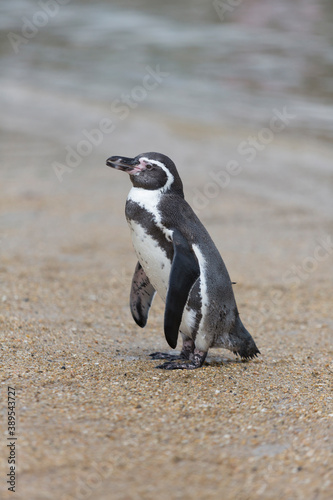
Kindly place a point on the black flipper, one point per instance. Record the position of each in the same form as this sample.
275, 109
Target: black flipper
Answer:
184, 272
141, 297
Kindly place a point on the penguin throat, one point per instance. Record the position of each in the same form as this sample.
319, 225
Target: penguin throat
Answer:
149, 201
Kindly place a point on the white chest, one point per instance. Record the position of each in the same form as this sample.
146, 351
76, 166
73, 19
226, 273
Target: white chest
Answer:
152, 258
151, 255
149, 200
157, 266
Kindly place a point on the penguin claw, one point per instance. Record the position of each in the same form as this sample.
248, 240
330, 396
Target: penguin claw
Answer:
177, 366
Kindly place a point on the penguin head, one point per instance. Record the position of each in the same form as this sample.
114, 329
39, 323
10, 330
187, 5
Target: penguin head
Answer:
152, 171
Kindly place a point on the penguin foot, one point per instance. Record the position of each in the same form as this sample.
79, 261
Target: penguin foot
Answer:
186, 352
177, 366
165, 355
196, 362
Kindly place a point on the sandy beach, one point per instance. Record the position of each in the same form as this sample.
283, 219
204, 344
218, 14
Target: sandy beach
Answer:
239, 95
95, 419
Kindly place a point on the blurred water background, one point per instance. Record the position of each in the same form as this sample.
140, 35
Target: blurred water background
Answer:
225, 67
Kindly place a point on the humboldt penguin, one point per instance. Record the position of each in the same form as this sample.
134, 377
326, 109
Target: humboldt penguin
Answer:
178, 259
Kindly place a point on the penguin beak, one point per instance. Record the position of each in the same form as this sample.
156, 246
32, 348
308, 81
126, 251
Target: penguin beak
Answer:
129, 165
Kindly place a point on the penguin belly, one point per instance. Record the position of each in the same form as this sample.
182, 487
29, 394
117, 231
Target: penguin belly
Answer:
152, 258
157, 267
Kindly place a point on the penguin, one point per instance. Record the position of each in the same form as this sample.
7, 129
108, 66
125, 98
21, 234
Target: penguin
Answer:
178, 259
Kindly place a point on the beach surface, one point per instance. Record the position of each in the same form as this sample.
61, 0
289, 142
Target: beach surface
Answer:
95, 418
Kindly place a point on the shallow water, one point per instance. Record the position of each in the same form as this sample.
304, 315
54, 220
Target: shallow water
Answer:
262, 55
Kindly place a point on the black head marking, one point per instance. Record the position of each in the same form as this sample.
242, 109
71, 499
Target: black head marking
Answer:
149, 171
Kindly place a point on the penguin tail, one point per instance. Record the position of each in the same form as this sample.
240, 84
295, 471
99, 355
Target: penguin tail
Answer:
242, 342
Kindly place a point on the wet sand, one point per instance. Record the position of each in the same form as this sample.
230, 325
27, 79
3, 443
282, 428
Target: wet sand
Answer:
95, 419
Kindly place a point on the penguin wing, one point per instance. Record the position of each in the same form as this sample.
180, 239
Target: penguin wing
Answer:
141, 296
184, 272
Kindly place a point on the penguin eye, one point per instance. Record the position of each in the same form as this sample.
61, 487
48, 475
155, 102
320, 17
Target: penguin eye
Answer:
149, 166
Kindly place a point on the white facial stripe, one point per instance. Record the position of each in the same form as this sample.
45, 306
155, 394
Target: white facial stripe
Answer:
163, 167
